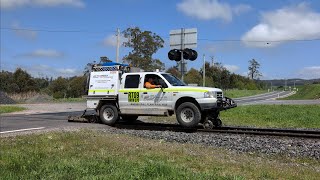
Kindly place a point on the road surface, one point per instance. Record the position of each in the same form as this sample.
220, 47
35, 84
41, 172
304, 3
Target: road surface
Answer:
270, 98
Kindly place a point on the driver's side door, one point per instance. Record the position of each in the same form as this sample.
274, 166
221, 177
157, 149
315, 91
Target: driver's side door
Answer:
154, 100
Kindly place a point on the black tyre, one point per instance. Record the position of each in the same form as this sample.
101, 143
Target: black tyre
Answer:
129, 118
109, 114
188, 114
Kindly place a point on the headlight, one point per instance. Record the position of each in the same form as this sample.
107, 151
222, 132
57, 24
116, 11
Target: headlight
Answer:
209, 94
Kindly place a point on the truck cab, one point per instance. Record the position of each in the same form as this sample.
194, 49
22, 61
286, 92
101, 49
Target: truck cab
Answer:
128, 97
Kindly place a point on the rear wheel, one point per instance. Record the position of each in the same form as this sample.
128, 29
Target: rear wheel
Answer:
188, 114
108, 114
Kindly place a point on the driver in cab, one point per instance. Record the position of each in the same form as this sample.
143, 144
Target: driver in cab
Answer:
150, 84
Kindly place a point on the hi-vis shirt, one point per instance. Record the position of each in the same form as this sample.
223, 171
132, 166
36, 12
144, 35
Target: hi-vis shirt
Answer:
149, 85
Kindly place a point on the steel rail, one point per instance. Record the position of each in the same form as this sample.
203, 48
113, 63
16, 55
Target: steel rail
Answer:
231, 130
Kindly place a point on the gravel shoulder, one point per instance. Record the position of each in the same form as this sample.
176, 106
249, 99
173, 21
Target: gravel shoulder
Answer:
40, 108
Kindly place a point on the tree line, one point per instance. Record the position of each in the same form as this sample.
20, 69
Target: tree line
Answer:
218, 76
20, 81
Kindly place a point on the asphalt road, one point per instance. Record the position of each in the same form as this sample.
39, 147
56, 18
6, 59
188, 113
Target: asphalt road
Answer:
270, 98
54, 116
43, 121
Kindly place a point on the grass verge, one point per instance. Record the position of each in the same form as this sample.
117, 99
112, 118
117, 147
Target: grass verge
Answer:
242, 93
310, 91
283, 116
94, 155
9, 109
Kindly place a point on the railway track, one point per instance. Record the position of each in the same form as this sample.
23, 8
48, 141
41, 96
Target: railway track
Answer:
228, 129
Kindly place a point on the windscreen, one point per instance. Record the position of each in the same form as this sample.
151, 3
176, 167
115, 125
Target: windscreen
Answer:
174, 81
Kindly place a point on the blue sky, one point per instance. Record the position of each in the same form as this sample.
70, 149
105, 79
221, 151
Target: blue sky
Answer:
284, 36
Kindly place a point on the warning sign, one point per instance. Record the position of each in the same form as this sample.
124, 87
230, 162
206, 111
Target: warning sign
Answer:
133, 97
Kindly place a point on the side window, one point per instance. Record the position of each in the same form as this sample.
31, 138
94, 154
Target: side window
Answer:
132, 81
156, 80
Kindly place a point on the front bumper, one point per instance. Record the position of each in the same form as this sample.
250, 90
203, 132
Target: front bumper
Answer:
228, 103
220, 104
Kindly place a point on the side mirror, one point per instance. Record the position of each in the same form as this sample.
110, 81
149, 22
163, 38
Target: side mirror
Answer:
162, 83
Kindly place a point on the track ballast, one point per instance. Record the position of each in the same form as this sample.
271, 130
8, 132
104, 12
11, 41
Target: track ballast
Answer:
227, 129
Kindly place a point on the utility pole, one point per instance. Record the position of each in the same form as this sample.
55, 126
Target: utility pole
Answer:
118, 45
204, 70
182, 48
285, 84
212, 59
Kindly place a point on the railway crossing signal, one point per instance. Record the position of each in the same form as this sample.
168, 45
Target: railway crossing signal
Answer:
181, 43
175, 54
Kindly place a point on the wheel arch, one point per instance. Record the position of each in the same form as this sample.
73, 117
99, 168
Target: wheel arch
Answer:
186, 99
104, 102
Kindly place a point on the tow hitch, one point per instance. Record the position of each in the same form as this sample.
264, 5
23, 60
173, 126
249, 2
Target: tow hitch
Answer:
85, 117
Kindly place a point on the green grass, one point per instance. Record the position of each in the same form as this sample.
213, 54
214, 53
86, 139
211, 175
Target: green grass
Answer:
9, 109
310, 91
242, 93
294, 116
69, 100
94, 155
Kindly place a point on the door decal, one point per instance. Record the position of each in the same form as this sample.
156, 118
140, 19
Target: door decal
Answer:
133, 97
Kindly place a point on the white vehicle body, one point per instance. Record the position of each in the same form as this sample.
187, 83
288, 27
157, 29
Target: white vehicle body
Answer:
126, 92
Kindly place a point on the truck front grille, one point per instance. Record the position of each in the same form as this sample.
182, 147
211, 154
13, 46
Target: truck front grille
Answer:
219, 95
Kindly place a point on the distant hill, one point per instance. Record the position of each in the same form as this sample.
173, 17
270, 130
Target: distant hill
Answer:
291, 82
309, 91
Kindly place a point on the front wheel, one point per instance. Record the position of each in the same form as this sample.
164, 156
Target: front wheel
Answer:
188, 114
108, 114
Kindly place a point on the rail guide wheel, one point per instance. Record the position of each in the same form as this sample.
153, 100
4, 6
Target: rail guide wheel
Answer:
217, 122
208, 124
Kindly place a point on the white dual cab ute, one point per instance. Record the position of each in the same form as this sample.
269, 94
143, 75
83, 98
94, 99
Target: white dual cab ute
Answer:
116, 91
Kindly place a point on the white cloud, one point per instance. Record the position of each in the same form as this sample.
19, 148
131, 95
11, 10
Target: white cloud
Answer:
68, 71
211, 9
11, 4
7, 4
311, 72
231, 68
111, 40
289, 23
45, 70
241, 8
43, 53
29, 34
245, 74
